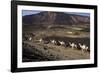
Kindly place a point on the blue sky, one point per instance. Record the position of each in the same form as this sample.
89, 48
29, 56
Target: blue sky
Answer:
29, 12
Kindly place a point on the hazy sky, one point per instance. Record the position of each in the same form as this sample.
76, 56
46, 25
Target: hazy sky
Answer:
29, 12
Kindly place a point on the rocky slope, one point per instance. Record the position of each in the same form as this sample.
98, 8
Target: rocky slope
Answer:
55, 18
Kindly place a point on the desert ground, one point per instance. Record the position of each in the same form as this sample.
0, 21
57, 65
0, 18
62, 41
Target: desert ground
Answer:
38, 46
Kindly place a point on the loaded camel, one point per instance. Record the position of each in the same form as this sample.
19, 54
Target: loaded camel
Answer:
62, 43
83, 47
72, 45
53, 41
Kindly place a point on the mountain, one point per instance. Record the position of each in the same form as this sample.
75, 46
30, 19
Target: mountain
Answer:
55, 18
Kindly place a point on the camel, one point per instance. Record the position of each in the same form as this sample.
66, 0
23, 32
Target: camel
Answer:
53, 41
62, 43
73, 45
83, 47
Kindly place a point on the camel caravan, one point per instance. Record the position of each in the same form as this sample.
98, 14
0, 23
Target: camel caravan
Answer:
72, 45
79, 46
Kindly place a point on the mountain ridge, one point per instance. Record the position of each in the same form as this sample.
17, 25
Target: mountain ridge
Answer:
55, 18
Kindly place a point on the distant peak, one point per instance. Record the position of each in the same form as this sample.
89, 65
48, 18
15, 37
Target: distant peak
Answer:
56, 18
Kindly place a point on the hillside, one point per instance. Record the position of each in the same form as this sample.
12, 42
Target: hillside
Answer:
55, 18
